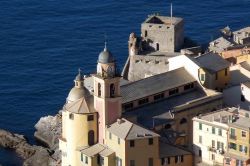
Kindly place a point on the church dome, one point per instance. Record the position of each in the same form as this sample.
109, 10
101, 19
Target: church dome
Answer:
75, 94
105, 57
78, 91
79, 77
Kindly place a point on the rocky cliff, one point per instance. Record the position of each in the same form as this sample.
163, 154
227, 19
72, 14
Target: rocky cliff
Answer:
33, 155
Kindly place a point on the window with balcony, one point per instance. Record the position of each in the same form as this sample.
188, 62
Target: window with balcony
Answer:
239, 163
232, 134
213, 143
220, 145
232, 146
243, 148
228, 161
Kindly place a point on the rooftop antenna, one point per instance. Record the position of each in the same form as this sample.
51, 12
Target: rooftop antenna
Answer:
80, 71
171, 13
105, 42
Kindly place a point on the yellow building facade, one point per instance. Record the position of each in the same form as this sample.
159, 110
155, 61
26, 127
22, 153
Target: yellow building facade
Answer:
239, 142
94, 132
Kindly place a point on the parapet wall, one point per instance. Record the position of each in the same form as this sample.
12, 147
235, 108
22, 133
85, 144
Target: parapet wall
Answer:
144, 66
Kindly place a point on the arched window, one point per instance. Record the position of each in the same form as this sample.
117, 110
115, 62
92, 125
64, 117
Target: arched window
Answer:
91, 137
168, 126
183, 120
99, 90
112, 90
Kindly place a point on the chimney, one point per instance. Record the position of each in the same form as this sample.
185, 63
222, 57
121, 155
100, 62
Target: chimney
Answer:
119, 121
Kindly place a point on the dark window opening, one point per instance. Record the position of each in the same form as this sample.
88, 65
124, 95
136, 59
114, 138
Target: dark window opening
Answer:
150, 162
159, 96
176, 159
112, 90
202, 77
132, 143
146, 33
99, 90
143, 101
132, 162
150, 141
168, 126
173, 91
157, 47
162, 161
91, 137
128, 106
71, 116
183, 120
242, 98
200, 153
189, 86
90, 117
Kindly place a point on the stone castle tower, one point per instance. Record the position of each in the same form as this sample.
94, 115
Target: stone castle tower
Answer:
107, 98
158, 33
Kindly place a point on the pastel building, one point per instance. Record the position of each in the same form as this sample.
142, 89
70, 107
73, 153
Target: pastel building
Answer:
210, 132
236, 55
238, 140
210, 70
222, 138
94, 130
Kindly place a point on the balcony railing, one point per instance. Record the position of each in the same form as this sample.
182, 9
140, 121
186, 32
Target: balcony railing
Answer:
232, 137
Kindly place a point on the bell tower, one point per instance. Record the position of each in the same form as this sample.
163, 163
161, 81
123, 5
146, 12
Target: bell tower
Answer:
107, 99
